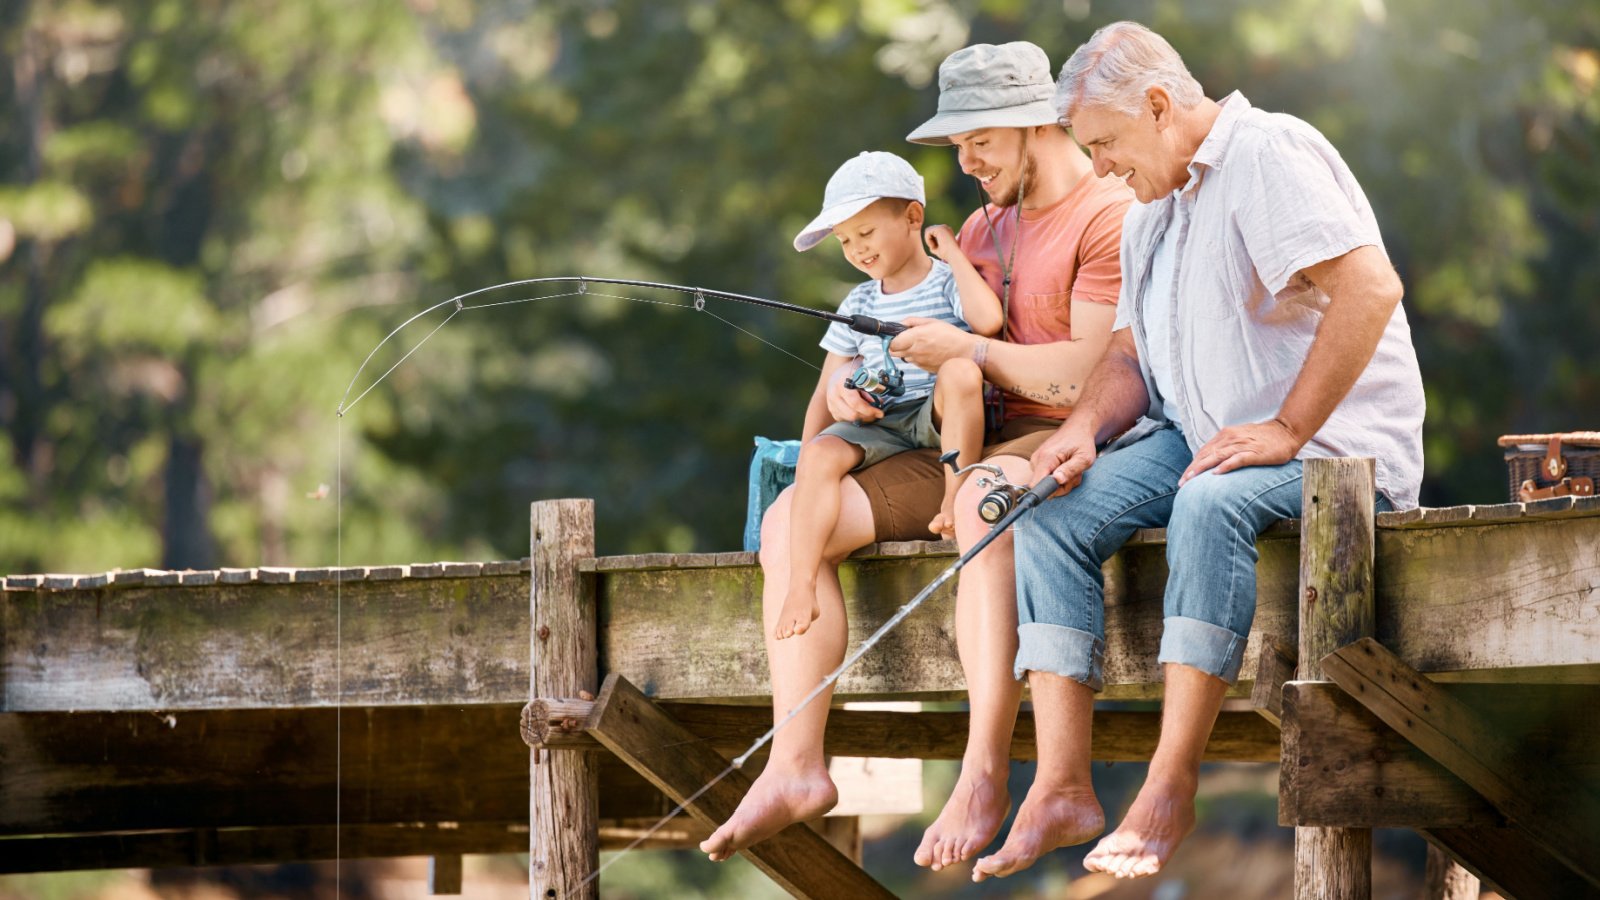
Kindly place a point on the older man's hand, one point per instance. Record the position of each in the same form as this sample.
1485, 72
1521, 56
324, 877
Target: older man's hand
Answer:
1270, 443
846, 404
1065, 456
930, 343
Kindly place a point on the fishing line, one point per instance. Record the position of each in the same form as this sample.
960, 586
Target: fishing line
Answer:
862, 324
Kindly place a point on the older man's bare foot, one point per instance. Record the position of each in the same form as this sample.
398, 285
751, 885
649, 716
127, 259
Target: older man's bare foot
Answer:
777, 800
799, 611
1160, 818
1048, 818
969, 821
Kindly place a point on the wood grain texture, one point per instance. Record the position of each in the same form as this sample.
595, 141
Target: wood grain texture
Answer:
563, 803
1510, 863
1559, 813
1444, 879
1336, 606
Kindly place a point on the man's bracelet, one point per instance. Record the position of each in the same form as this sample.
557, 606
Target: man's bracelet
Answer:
980, 352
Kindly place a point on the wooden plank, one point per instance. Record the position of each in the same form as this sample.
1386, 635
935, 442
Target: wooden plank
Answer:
563, 801
800, 860
1336, 606
253, 846
1510, 863
1494, 598
1343, 767
1558, 813
1118, 735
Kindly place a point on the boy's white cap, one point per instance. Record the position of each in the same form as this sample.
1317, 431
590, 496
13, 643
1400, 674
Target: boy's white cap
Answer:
870, 176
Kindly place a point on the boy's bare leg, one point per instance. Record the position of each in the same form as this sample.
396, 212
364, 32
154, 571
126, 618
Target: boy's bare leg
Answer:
795, 785
1163, 813
1060, 809
813, 513
958, 414
986, 637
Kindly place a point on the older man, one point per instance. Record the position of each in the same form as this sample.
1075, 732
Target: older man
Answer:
1048, 244
1259, 325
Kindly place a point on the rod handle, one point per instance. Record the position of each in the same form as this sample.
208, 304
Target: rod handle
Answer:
869, 325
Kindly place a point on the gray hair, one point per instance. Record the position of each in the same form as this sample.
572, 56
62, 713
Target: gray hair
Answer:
1116, 68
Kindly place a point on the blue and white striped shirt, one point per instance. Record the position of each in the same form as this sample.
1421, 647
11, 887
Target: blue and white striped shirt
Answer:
935, 297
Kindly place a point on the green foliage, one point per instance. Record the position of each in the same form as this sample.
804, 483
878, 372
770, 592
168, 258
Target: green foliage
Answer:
210, 214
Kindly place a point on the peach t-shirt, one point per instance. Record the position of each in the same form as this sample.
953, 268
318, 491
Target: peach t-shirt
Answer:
1070, 251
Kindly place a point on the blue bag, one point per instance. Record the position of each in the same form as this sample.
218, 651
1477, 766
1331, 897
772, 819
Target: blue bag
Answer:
771, 470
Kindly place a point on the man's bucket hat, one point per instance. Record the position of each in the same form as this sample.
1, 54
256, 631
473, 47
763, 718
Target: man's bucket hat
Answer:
991, 86
869, 177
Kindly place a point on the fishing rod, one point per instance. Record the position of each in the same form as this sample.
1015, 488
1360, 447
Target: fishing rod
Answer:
862, 324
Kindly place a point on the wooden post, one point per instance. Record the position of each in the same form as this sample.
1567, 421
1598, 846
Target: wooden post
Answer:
1446, 880
1336, 607
444, 874
563, 813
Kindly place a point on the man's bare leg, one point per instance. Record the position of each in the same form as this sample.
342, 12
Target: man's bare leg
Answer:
825, 460
986, 637
1060, 809
795, 785
1163, 813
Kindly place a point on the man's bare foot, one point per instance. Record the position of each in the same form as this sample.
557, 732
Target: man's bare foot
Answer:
776, 801
969, 821
799, 611
1048, 818
1161, 817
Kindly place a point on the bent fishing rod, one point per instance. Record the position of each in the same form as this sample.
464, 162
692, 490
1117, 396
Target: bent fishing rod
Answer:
862, 324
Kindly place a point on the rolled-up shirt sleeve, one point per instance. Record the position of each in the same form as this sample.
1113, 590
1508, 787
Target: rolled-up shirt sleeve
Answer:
1299, 212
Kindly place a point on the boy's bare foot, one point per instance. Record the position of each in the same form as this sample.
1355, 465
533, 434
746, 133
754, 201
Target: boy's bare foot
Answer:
799, 611
1048, 818
969, 821
776, 801
944, 524
1160, 818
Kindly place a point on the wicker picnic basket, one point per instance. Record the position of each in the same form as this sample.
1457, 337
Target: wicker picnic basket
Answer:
1552, 465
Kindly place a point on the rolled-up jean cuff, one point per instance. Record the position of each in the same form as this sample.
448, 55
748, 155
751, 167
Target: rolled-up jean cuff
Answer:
1201, 645
1059, 650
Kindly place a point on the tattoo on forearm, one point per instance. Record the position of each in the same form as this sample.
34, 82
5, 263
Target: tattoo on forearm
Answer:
1052, 398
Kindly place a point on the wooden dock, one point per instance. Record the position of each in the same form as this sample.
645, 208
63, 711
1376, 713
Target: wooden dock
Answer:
161, 718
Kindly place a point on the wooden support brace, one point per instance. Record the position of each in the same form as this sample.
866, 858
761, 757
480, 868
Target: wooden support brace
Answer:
1560, 814
1445, 879
1276, 666
677, 762
1511, 863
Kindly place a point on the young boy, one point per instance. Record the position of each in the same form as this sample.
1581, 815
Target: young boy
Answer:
874, 205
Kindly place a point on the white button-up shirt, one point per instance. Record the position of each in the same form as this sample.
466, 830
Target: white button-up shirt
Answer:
1267, 197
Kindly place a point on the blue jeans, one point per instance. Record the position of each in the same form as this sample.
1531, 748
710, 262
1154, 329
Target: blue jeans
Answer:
1212, 523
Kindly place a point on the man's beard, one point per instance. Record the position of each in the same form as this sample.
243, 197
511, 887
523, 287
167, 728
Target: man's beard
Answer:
1030, 176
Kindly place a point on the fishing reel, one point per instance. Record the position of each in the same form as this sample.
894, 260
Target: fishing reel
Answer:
879, 385
1003, 495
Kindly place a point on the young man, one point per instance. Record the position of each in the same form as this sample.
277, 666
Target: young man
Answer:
1055, 238
1259, 325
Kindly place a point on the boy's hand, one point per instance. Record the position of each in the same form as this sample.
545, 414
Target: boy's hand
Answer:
846, 404
942, 242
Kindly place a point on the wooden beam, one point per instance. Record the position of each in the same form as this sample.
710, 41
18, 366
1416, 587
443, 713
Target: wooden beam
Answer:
1336, 606
1559, 813
254, 846
1119, 735
444, 874
1342, 766
563, 802
1510, 863
799, 859
1276, 666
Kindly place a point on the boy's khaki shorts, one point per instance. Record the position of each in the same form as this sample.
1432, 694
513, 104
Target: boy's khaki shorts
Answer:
905, 490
